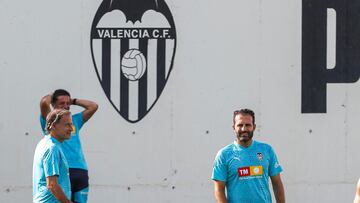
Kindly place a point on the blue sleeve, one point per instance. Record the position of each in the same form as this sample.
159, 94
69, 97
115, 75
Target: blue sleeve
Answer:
219, 169
78, 120
274, 166
51, 162
43, 124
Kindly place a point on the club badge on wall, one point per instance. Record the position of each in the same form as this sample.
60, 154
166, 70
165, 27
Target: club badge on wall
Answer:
133, 45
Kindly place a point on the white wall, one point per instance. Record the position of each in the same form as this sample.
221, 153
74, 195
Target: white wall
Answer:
230, 54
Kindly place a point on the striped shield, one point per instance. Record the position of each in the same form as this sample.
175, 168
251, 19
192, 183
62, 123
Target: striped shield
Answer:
133, 46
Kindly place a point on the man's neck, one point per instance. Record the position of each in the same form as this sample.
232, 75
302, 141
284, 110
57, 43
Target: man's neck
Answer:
56, 137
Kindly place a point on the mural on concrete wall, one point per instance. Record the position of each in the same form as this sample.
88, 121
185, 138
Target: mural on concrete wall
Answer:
133, 45
330, 49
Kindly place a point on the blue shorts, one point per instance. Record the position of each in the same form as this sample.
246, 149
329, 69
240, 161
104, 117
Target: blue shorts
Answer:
79, 180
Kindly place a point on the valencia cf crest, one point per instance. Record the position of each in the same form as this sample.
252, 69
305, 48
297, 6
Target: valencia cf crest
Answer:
133, 45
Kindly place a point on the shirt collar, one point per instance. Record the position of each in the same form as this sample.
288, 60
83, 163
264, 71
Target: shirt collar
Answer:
53, 139
244, 148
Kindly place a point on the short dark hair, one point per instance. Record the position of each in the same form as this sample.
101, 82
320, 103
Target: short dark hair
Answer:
244, 112
57, 93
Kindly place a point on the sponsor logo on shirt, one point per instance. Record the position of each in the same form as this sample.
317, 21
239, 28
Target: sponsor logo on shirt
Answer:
73, 130
250, 171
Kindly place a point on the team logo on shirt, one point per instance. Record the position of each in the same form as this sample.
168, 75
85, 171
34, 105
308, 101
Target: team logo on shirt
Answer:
250, 171
133, 47
259, 156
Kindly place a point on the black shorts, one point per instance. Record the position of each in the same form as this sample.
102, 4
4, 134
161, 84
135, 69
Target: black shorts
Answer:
79, 180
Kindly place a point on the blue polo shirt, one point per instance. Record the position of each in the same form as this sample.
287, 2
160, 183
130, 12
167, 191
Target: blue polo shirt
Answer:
246, 171
49, 160
72, 147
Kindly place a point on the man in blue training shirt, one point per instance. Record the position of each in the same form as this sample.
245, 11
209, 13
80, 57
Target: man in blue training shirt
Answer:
72, 149
51, 182
243, 168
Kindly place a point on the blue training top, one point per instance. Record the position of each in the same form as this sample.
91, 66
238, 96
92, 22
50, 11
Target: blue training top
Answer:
246, 171
49, 160
72, 147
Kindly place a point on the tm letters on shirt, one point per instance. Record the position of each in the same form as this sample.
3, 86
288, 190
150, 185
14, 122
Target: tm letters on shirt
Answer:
246, 171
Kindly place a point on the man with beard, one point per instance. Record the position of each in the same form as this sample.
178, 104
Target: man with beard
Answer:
243, 168
72, 149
